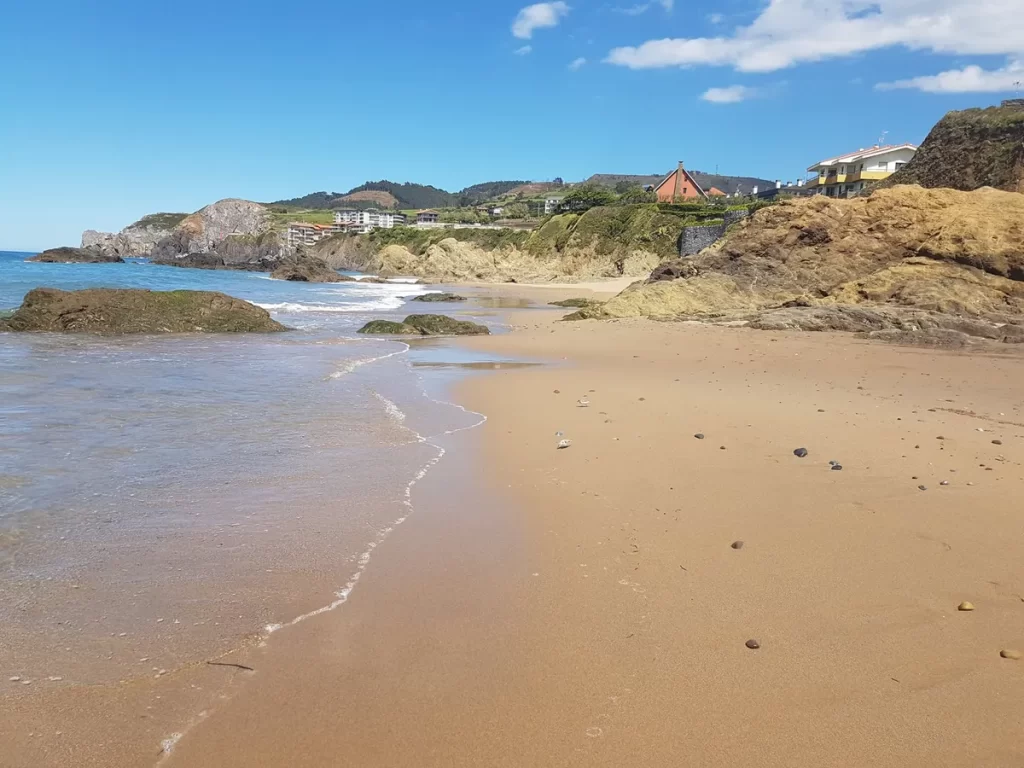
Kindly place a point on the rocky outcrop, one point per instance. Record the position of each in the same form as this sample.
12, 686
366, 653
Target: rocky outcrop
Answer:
261, 252
433, 297
237, 232
911, 258
67, 255
968, 150
136, 239
122, 311
308, 269
426, 325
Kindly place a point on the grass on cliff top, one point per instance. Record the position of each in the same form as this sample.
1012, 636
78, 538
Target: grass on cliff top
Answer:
999, 117
279, 220
622, 228
160, 220
418, 240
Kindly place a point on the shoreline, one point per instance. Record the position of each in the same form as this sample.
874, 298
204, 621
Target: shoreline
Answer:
608, 626
584, 606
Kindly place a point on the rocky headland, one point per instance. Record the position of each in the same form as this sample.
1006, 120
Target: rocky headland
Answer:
136, 239
943, 264
68, 255
130, 311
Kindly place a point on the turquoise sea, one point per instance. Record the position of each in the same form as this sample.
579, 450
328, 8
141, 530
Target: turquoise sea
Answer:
136, 472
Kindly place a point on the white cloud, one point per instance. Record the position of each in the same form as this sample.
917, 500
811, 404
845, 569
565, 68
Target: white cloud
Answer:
576, 64
732, 94
790, 32
972, 79
538, 16
526, 49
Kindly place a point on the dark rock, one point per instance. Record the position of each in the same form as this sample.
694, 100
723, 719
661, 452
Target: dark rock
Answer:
307, 269
65, 255
922, 487
577, 303
426, 325
737, 545
390, 327
800, 452
837, 467
997, 442
752, 644
438, 297
699, 435
104, 310
444, 325
373, 280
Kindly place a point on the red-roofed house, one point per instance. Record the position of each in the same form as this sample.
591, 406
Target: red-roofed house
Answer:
678, 185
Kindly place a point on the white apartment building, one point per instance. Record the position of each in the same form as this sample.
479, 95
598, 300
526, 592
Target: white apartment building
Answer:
847, 174
364, 221
551, 205
300, 233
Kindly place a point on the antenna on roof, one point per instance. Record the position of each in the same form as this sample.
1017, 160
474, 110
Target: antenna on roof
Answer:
881, 139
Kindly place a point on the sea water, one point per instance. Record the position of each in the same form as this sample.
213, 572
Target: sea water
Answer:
165, 498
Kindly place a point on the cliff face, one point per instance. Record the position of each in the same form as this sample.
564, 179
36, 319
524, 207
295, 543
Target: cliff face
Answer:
968, 150
136, 239
905, 257
602, 242
229, 234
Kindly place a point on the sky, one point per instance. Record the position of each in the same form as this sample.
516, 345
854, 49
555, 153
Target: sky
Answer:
110, 109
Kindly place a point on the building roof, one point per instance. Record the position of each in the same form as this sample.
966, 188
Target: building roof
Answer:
687, 173
716, 192
861, 154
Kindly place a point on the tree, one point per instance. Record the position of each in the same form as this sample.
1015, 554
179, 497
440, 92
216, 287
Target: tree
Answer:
516, 211
587, 196
636, 194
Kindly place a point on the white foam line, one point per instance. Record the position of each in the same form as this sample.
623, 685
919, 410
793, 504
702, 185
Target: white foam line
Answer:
343, 594
354, 364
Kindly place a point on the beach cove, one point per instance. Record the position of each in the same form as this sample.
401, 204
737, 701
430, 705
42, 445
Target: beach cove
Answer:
593, 605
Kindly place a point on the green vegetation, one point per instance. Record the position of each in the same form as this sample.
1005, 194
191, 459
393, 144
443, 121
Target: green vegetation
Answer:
587, 196
489, 190
612, 229
281, 217
418, 240
160, 220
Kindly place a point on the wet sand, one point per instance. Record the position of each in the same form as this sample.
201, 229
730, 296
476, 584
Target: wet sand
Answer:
585, 607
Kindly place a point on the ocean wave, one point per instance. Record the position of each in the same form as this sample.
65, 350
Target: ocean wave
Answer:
376, 303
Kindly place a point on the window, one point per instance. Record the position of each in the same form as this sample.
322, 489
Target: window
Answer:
899, 165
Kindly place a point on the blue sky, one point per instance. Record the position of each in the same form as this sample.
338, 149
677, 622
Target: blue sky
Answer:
114, 109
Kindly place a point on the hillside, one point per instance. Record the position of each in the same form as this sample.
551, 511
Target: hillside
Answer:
609, 241
904, 260
489, 190
730, 185
970, 149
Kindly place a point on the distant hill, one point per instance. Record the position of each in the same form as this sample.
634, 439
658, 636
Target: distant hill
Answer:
728, 184
489, 190
970, 149
379, 194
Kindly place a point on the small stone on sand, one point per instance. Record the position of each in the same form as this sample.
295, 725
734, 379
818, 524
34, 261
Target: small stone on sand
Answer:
965, 606
997, 442
737, 545
699, 435
800, 452
753, 645
15, 679
944, 482
922, 487
1008, 654
721, 447
837, 467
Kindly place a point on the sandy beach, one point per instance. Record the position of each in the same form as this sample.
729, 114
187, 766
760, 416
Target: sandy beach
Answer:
592, 605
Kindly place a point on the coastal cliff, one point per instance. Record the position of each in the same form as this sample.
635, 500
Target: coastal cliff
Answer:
136, 239
970, 149
904, 259
603, 242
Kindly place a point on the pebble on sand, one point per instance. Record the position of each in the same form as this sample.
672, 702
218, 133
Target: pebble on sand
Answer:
753, 645
562, 444
944, 482
1008, 654
837, 467
699, 435
997, 442
737, 545
800, 452
922, 487
965, 606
